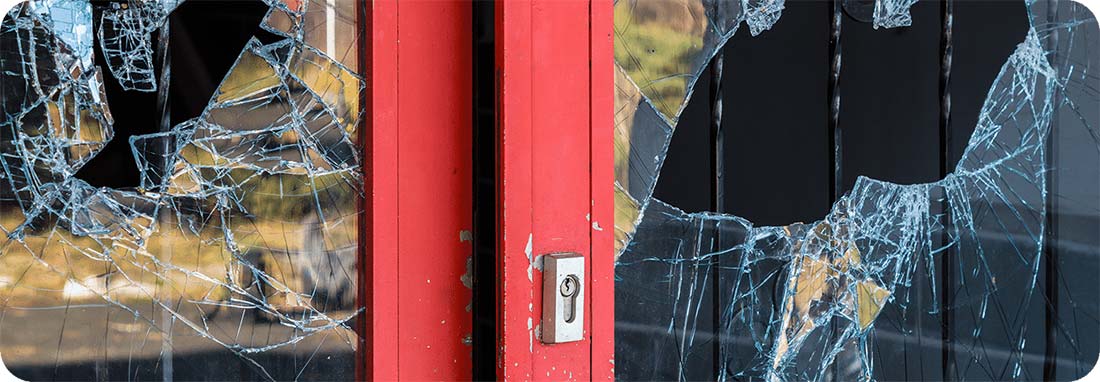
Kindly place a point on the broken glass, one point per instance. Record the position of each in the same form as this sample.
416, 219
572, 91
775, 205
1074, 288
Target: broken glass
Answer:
663, 45
124, 31
240, 239
881, 13
717, 297
893, 13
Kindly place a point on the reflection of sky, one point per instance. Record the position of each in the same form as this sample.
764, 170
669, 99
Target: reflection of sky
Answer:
72, 24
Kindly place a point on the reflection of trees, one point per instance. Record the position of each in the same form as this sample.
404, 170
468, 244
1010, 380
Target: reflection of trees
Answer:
656, 43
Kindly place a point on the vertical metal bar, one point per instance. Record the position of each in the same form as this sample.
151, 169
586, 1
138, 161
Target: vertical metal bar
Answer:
835, 137
947, 349
1050, 238
717, 196
165, 124
717, 137
1052, 269
165, 58
835, 144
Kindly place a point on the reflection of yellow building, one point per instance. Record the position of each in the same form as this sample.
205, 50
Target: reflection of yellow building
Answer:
627, 97
826, 272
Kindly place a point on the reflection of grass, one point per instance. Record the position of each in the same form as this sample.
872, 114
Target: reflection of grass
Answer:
291, 197
37, 271
657, 56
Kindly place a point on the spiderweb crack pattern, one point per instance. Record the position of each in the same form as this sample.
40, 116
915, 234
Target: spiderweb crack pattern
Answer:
248, 210
802, 301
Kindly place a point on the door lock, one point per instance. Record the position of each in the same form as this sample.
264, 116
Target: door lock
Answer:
569, 288
562, 298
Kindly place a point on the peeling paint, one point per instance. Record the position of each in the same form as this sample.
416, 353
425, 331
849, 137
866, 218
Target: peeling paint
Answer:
529, 249
468, 277
531, 334
538, 262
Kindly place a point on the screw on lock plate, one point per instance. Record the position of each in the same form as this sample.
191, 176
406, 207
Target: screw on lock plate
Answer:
562, 298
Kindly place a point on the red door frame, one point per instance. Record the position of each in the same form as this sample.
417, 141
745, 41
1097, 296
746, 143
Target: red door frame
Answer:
418, 192
555, 113
555, 88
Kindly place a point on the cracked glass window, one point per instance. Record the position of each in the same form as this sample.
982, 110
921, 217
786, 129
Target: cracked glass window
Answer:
984, 272
223, 244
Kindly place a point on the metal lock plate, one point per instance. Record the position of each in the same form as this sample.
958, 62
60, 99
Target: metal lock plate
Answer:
562, 298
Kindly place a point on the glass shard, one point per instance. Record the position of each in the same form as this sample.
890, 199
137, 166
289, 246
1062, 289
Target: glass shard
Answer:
125, 35
893, 13
705, 293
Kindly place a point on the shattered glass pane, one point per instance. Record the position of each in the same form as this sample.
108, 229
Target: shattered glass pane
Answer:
893, 13
241, 237
881, 13
762, 14
124, 34
713, 296
663, 45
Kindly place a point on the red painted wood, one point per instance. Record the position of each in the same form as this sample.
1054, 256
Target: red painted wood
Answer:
555, 66
380, 171
602, 87
516, 320
560, 104
435, 192
418, 170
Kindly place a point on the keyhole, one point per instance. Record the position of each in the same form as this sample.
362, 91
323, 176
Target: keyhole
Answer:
569, 290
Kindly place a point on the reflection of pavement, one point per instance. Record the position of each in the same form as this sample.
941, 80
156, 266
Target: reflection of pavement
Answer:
92, 342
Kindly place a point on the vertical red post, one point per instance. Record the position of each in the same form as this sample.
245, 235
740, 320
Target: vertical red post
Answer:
554, 60
515, 324
602, 54
435, 189
378, 275
418, 191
